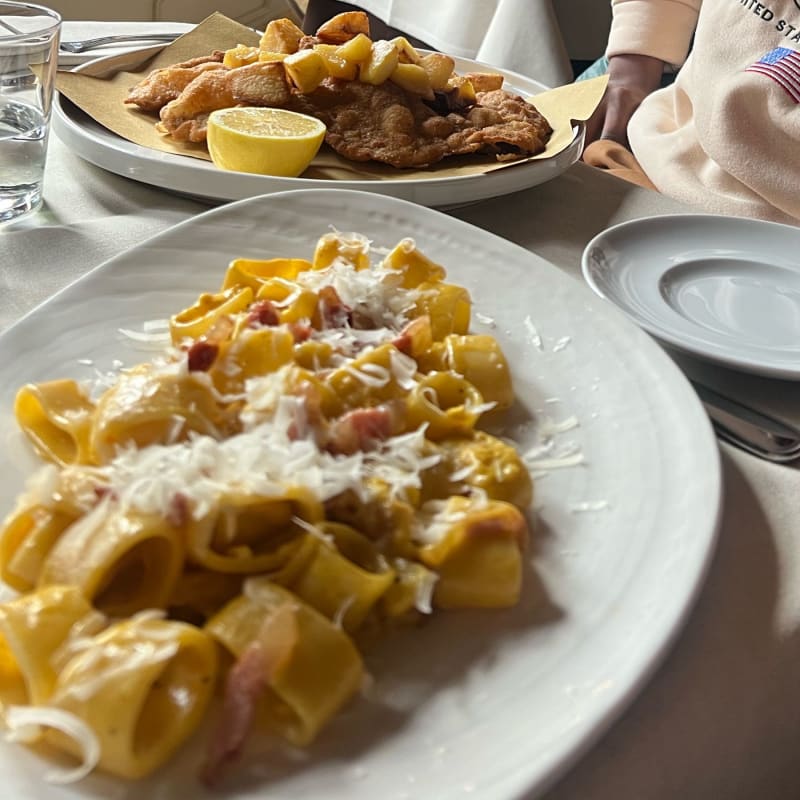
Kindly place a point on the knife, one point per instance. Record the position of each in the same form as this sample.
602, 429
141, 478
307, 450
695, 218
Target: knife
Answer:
749, 429
82, 45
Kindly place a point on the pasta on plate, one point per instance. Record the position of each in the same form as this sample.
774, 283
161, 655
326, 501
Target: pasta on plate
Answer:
299, 468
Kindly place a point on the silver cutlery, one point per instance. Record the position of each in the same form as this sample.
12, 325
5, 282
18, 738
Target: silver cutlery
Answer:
749, 429
82, 45
24, 79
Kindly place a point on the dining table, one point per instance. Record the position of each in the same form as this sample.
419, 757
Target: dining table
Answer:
719, 717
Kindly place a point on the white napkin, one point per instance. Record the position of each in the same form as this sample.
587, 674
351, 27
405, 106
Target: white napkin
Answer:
78, 29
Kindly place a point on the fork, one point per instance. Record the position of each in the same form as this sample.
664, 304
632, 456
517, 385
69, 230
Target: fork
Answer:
82, 45
749, 429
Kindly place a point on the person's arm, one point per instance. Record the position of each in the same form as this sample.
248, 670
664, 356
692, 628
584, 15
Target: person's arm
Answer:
631, 78
645, 35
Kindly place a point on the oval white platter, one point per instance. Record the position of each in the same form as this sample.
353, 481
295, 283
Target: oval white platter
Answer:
725, 289
489, 704
198, 178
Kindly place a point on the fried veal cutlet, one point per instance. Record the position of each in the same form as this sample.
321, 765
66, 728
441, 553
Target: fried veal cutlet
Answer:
385, 123
165, 84
262, 83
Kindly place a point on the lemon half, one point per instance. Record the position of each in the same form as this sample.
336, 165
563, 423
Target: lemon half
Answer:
269, 141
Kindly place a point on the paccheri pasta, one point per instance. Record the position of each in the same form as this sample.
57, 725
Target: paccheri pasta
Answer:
300, 466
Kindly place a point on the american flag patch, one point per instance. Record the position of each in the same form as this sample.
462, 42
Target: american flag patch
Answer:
782, 65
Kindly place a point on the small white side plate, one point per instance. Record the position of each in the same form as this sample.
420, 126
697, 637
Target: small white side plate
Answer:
726, 289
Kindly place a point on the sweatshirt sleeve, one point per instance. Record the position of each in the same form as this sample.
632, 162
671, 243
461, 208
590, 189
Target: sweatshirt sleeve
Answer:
658, 28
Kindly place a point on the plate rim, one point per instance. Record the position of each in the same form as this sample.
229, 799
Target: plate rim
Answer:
721, 356
713, 511
141, 162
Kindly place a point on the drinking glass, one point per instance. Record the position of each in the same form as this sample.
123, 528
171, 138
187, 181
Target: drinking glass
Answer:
29, 36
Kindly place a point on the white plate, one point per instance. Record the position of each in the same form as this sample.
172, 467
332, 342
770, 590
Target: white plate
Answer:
199, 178
726, 289
495, 704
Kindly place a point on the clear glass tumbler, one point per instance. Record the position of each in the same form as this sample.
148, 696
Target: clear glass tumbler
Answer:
29, 38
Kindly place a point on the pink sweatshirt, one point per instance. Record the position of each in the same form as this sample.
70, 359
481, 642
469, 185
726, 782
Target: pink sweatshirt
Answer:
726, 135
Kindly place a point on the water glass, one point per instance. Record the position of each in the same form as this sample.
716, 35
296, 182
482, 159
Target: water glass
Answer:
29, 37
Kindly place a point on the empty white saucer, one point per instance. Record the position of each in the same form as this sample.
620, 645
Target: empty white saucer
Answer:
722, 288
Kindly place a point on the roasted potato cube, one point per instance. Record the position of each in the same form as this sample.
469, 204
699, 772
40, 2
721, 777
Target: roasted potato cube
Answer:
485, 81
413, 79
408, 55
342, 27
337, 66
281, 36
240, 55
383, 60
465, 91
268, 55
306, 70
356, 49
439, 68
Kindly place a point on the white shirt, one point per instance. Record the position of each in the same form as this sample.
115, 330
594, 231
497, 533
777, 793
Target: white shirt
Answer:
518, 35
725, 134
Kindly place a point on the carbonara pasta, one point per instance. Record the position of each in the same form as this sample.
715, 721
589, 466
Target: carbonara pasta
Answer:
300, 466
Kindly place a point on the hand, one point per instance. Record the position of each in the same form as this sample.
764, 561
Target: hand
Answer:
631, 79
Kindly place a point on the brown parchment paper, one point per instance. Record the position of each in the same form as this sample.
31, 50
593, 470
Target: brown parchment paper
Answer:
99, 90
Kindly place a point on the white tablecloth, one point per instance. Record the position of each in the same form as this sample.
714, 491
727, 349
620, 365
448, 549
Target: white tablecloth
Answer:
721, 717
